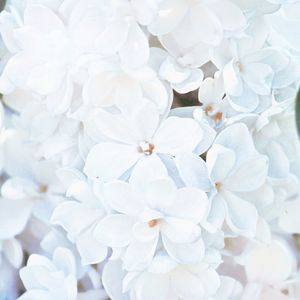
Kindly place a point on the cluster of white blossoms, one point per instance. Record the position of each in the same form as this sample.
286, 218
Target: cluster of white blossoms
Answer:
109, 192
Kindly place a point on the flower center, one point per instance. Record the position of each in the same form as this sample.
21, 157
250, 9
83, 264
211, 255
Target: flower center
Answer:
218, 116
239, 66
146, 148
152, 223
218, 186
43, 188
208, 109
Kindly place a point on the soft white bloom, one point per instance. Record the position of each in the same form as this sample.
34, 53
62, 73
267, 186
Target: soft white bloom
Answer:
259, 262
135, 137
37, 187
110, 27
182, 79
284, 24
188, 29
49, 279
212, 97
235, 167
80, 215
164, 279
110, 84
14, 215
275, 136
41, 62
250, 72
136, 197
152, 210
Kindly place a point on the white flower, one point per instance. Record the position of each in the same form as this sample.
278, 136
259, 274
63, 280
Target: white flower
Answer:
38, 189
284, 23
44, 55
188, 29
250, 72
275, 136
135, 137
134, 199
11, 250
235, 167
259, 262
80, 217
110, 27
161, 210
14, 217
212, 97
50, 279
164, 279
182, 79
111, 84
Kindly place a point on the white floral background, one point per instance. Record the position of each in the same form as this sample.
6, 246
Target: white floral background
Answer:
148, 150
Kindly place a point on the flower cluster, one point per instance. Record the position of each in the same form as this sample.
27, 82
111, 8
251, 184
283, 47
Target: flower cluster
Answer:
107, 191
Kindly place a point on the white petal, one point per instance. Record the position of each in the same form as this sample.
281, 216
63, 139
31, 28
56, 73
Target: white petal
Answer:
14, 215
232, 80
13, 251
169, 15
60, 101
144, 120
241, 215
177, 135
36, 295
173, 72
46, 78
289, 219
17, 68
113, 37
237, 138
110, 160
160, 194
248, 176
247, 102
187, 285
75, 217
259, 77
190, 204
230, 15
139, 254
220, 161
112, 280
115, 230
260, 264
216, 215
90, 249
135, 52
186, 253
193, 171
98, 90
146, 170
42, 18
192, 83
211, 90
144, 233
144, 11
112, 126
208, 28
279, 165
64, 261
180, 231
159, 93
121, 197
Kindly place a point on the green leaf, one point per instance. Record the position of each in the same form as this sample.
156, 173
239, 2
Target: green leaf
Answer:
298, 112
